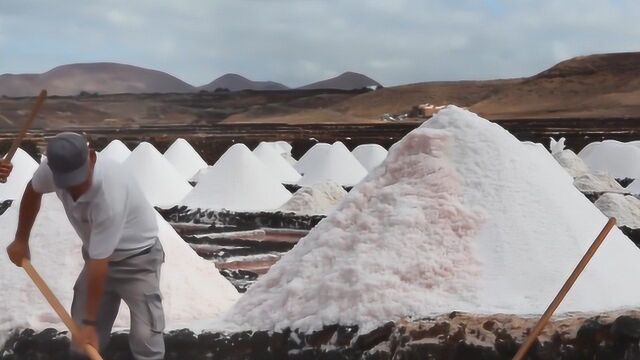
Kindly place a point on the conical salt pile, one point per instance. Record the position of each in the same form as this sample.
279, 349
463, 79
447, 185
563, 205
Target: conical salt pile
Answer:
612, 157
336, 165
461, 216
370, 155
239, 182
161, 183
185, 158
285, 146
191, 287
274, 161
572, 163
625, 208
116, 150
311, 157
23, 168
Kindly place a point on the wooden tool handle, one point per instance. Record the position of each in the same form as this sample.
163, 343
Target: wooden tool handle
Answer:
522, 352
57, 307
27, 125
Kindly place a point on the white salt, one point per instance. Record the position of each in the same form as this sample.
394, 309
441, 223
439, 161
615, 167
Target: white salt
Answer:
461, 216
311, 157
191, 287
625, 208
370, 155
185, 158
598, 183
238, 181
270, 155
23, 168
318, 199
336, 165
571, 162
612, 157
160, 181
116, 150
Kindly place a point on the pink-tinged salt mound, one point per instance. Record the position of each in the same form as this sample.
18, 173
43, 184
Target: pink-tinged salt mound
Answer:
116, 150
185, 158
335, 165
612, 157
271, 156
370, 155
310, 159
461, 216
160, 181
238, 181
23, 168
191, 287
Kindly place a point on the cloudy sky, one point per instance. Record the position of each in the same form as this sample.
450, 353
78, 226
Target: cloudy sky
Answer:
301, 41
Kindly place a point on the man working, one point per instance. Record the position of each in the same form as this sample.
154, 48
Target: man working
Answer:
120, 243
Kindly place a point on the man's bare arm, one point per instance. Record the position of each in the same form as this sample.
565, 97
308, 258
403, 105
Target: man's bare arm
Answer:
29, 208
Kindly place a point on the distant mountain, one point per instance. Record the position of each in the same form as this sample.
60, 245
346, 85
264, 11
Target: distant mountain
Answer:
586, 86
101, 78
346, 81
235, 82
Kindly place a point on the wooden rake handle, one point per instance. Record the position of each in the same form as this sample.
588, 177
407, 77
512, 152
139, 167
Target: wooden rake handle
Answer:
522, 352
57, 307
27, 125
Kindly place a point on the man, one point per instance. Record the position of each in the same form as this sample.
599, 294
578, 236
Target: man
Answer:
120, 243
5, 170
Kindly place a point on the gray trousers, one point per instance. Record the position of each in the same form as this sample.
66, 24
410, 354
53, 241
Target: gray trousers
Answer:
135, 280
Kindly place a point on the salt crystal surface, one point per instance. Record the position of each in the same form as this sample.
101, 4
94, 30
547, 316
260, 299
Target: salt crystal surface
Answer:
318, 199
634, 187
612, 157
571, 162
23, 168
625, 208
160, 181
336, 165
556, 146
312, 157
370, 155
238, 181
270, 155
598, 183
116, 150
185, 158
191, 287
461, 216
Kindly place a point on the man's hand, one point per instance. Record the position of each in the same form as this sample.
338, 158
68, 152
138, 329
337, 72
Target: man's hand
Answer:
5, 170
18, 250
88, 335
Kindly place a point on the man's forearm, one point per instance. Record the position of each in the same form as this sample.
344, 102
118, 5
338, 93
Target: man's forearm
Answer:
96, 278
29, 208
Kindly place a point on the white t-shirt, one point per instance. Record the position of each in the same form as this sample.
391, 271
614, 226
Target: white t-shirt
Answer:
113, 218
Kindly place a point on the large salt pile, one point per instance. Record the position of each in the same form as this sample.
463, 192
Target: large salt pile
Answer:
23, 168
461, 216
191, 286
312, 157
185, 158
161, 183
238, 181
270, 155
116, 150
318, 199
370, 155
336, 165
617, 159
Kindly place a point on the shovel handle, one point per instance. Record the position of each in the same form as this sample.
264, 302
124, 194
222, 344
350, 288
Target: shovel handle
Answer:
27, 125
57, 307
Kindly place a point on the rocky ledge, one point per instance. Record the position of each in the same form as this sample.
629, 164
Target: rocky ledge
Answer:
455, 336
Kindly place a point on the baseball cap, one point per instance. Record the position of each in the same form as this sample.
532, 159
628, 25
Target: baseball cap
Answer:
68, 159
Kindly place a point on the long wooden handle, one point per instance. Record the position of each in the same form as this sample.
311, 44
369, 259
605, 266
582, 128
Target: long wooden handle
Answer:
522, 352
57, 307
27, 125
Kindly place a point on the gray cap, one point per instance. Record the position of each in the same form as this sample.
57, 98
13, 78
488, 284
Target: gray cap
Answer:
68, 159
